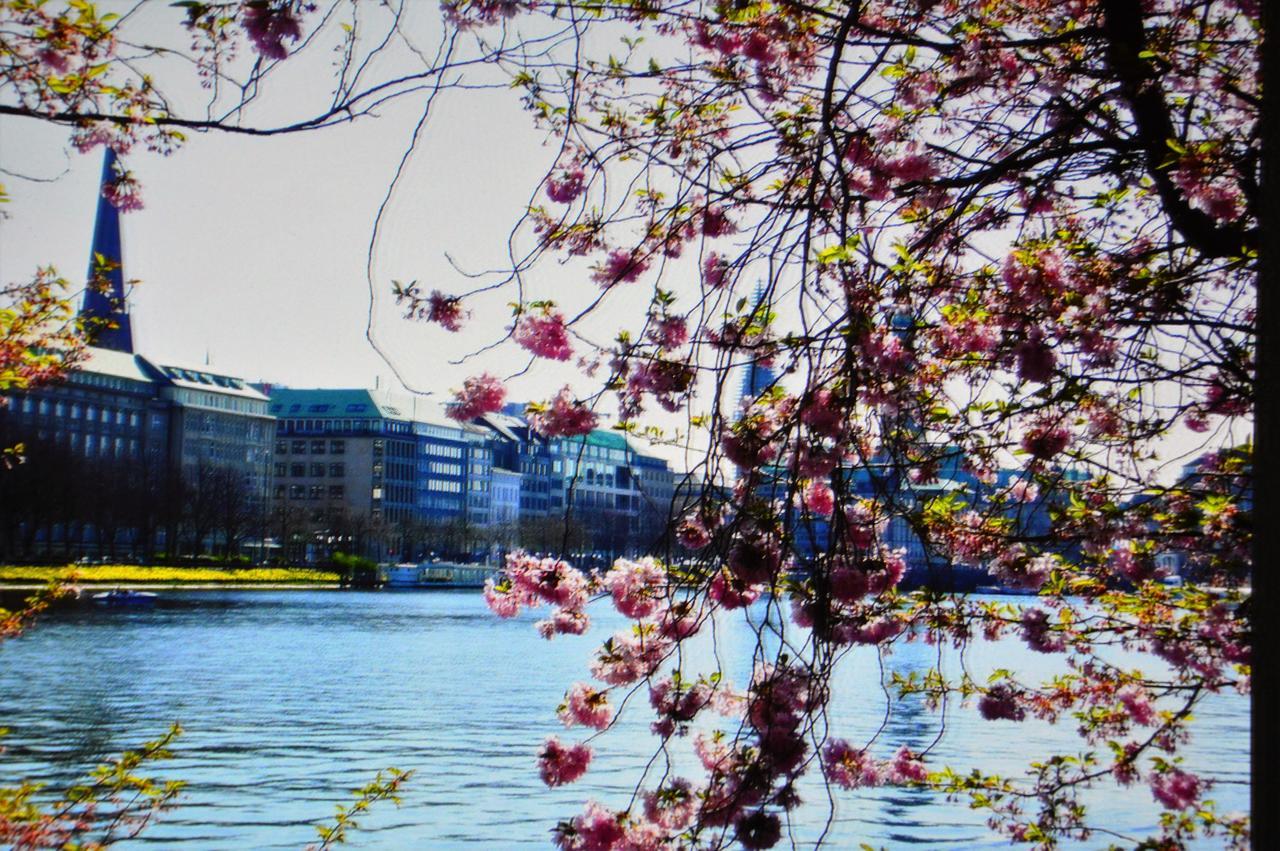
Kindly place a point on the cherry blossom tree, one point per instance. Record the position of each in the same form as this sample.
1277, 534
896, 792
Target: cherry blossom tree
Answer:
1010, 248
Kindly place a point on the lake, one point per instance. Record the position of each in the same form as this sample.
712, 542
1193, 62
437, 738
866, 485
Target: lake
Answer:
291, 699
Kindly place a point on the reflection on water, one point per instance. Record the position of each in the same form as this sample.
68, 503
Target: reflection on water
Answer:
292, 699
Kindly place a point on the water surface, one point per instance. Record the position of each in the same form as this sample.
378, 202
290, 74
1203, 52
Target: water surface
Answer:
290, 699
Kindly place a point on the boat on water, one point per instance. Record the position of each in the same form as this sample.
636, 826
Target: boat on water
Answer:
435, 574
124, 598
402, 576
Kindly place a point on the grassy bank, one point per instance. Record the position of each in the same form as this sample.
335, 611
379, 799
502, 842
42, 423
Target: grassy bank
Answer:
137, 574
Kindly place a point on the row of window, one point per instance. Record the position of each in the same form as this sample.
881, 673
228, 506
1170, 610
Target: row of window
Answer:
310, 492
96, 446
328, 426
441, 450
75, 411
217, 400
313, 447
298, 471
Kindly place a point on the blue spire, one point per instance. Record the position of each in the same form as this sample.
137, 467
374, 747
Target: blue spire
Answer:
756, 377
108, 305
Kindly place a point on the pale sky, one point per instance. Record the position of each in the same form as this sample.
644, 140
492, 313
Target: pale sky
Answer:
253, 251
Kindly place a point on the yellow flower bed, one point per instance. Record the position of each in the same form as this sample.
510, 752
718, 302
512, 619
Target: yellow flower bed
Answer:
132, 573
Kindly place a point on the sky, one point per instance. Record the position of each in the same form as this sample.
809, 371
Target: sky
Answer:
252, 253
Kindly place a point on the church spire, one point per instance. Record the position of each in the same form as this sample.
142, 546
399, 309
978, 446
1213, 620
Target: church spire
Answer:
104, 303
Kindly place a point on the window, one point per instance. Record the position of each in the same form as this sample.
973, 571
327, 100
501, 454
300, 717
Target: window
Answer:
282, 469
298, 470
299, 447
335, 491
317, 491
337, 447
377, 468
280, 491
317, 447
378, 447
317, 470
75, 411
60, 410
297, 491
377, 493
337, 470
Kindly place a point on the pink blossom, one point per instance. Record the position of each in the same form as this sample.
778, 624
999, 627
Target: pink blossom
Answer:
620, 266
890, 570
565, 185
668, 380
678, 622
823, 414
559, 765
716, 223
1176, 789
848, 584
759, 829
563, 417
906, 767
1012, 567
715, 271
1126, 561
1046, 439
670, 332
678, 702
910, 167
1138, 704
1038, 634
638, 587
269, 23
862, 527
53, 60
123, 192
1001, 703
874, 632
732, 593
564, 622
584, 705
850, 767
597, 829
1024, 491
482, 394
551, 580
503, 602
1035, 359
755, 561
819, 498
693, 533
544, 334
445, 310
673, 806
630, 655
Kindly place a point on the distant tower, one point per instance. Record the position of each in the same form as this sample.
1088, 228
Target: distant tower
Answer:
756, 377
108, 304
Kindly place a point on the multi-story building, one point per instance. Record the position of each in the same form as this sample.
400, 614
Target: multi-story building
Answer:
343, 455
148, 451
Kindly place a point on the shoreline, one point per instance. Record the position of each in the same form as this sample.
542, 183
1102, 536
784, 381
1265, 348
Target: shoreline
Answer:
182, 586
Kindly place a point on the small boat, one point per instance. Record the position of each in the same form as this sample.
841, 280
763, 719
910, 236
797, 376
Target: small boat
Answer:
403, 576
125, 599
